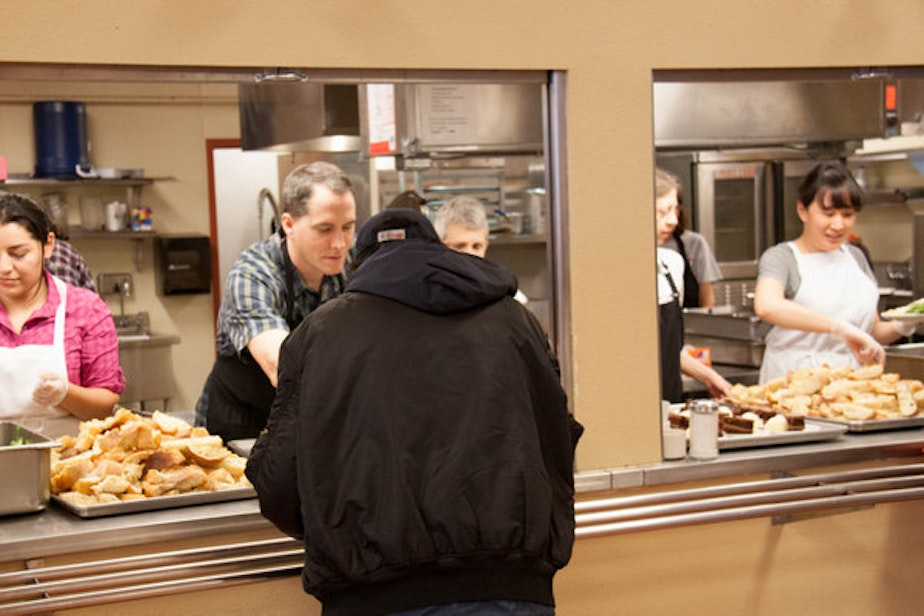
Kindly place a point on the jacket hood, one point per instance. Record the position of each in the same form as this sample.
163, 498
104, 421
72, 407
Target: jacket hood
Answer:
432, 277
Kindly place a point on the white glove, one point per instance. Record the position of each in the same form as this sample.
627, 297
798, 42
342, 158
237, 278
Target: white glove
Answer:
863, 346
50, 390
904, 328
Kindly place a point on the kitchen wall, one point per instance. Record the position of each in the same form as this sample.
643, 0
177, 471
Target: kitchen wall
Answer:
608, 50
162, 128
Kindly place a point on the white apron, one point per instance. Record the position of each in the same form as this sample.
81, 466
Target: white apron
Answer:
833, 284
20, 368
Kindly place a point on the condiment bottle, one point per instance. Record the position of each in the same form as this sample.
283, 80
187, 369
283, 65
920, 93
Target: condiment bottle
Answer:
704, 430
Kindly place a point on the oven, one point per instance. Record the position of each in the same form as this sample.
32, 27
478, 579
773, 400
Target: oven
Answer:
743, 202
730, 207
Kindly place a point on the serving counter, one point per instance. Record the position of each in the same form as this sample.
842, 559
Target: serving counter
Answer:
227, 554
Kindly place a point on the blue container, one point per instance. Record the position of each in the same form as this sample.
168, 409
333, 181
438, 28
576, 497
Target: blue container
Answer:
60, 138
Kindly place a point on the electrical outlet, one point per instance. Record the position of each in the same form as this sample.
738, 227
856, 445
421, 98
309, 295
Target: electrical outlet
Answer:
121, 284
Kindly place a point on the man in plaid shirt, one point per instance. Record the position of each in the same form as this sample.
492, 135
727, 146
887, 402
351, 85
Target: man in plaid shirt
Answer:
270, 288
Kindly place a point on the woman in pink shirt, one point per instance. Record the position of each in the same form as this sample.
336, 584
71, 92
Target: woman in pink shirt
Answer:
59, 352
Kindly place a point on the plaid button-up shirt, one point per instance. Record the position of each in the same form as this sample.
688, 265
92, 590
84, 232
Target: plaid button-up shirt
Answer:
255, 297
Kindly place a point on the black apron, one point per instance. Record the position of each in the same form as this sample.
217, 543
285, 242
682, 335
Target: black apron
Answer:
690, 283
670, 327
239, 394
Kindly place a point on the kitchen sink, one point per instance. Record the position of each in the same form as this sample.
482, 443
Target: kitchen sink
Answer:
133, 326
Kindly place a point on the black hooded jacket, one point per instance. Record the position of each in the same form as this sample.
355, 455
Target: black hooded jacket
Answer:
420, 442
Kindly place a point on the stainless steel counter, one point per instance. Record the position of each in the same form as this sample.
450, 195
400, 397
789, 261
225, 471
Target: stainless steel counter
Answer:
189, 549
849, 448
55, 531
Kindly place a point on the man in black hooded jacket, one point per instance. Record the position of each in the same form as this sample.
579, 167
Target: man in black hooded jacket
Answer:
420, 442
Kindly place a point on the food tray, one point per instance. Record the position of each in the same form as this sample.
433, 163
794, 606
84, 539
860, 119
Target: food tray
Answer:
155, 502
814, 431
873, 425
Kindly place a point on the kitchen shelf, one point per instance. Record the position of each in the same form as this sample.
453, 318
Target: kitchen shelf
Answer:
893, 145
134, 235
509, 238
14, 180
137, 237
132, 186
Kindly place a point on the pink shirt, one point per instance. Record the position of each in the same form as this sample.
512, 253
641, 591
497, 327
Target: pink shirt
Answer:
90, 341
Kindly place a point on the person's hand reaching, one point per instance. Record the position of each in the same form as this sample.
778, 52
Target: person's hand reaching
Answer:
863, 346
50, 390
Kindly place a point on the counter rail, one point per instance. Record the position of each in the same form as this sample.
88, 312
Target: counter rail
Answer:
44, 589
784, 499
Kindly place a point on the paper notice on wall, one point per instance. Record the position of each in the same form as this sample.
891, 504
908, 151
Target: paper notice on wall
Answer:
448, 114
381, 116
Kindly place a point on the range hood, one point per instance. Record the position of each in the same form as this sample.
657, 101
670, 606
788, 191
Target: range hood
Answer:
453, 120
704, 115
299, 116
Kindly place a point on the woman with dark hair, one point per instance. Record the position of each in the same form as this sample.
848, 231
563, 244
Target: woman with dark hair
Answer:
818, 290
59, 352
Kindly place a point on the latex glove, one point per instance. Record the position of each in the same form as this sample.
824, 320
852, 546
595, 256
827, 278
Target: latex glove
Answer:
904, 328
50, 390
863, 346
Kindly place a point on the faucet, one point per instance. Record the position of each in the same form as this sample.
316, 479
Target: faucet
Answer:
121, 285
123, 290
267, 195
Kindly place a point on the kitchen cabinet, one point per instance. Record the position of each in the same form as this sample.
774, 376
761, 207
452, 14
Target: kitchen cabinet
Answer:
133, 188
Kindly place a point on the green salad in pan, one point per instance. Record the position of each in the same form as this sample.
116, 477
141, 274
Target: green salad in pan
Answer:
914, 309
19, 439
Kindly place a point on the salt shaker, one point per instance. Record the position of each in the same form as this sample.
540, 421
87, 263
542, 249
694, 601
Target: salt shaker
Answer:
704, 430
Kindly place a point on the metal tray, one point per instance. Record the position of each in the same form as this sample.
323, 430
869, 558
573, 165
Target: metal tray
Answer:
814, 431
155, 502
25, 469
873, 425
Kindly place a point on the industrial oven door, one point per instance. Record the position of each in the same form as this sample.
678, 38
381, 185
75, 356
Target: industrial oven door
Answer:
731, 212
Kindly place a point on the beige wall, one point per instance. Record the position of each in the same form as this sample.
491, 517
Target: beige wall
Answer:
608, 49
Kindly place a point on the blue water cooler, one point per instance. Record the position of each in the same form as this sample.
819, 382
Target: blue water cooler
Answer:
60, 138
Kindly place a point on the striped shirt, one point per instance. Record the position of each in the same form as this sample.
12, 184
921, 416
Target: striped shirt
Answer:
67, 264
255, 297
91, 345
